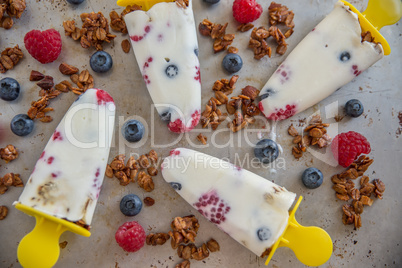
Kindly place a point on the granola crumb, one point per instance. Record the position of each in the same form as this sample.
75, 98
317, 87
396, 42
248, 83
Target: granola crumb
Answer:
149, 201
3, 212
125, 45
202, 139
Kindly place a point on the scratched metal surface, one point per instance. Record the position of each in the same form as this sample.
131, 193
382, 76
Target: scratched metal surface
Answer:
376, 244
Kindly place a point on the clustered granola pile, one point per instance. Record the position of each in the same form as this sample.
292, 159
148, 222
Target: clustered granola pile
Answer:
9, 58
278, 14
94, 31
183, 234
316, 135
126, 173
242, 107
10, 179
12, 8
9, 153
345, 190
218, 33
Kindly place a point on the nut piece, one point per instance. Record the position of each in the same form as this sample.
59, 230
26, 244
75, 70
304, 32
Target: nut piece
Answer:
36, 76
250, 92
145, 181
46, 83
109, 171
3, 212
10, 56
9, 153
125, 45
68, 69
143, 161
152, 171
152, 156
212, 245
149, 201
157, 239
183, 264
202, 139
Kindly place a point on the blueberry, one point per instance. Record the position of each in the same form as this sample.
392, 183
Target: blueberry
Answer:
171, 71
232, 63
312, 178
354, 108
268, 93
101, 62
345, 56
264, 233
266, 151
21, 125
130, 205
9, 89
211, 1
196, 51
75, 2
175, 185
132, 130
165, 116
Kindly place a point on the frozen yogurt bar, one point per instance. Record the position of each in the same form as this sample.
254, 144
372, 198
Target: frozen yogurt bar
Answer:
165, 45
68, 176
329, 57
251, 209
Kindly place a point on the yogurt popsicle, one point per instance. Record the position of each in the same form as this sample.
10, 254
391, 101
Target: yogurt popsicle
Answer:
329, 57
251, 209
164, 41
68, 176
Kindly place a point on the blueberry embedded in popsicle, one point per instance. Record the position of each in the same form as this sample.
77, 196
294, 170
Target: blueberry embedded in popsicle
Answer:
345, 56
267, 93
175, 185
264, 233
165, 116
172, 70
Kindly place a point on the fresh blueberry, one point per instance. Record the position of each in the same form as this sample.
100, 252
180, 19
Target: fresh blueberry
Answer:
312, 178
354, 108
101, 61
175, 185
268, 93
211, 1
130, 205
264, 233
165, 116
9, 89
75, 2
345, 56
171, 71
21, 125
266, 151
232, 63
132, 130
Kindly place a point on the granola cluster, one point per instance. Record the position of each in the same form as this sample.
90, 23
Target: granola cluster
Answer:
127, 173
217, 32
12, 8
10, 179
345, 190
183, 233
117, 22
278, 14
8, 153
94, 31
9, 58
316, 135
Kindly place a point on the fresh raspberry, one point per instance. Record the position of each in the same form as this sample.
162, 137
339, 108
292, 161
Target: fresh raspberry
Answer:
245, 11
346, 147
44, 46
130, 236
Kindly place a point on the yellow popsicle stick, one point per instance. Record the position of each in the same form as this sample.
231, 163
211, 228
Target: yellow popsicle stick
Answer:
144, 4
378, 14
40, 248
311, 245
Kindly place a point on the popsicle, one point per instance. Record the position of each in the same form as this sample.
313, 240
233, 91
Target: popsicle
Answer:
252, 210
164, 42
329, 57
64, 186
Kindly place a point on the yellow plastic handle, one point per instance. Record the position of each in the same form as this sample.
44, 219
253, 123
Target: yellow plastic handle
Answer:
378, 14
144, 4
311, 245
40, 248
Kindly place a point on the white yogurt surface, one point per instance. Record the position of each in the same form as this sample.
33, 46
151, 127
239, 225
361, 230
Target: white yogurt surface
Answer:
165, 45
249, 203
330, 56
68, 176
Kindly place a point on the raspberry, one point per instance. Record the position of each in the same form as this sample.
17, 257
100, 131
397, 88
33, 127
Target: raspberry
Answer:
179, 127
43, 46
245, 11
346, 147
280, 114
130, 236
